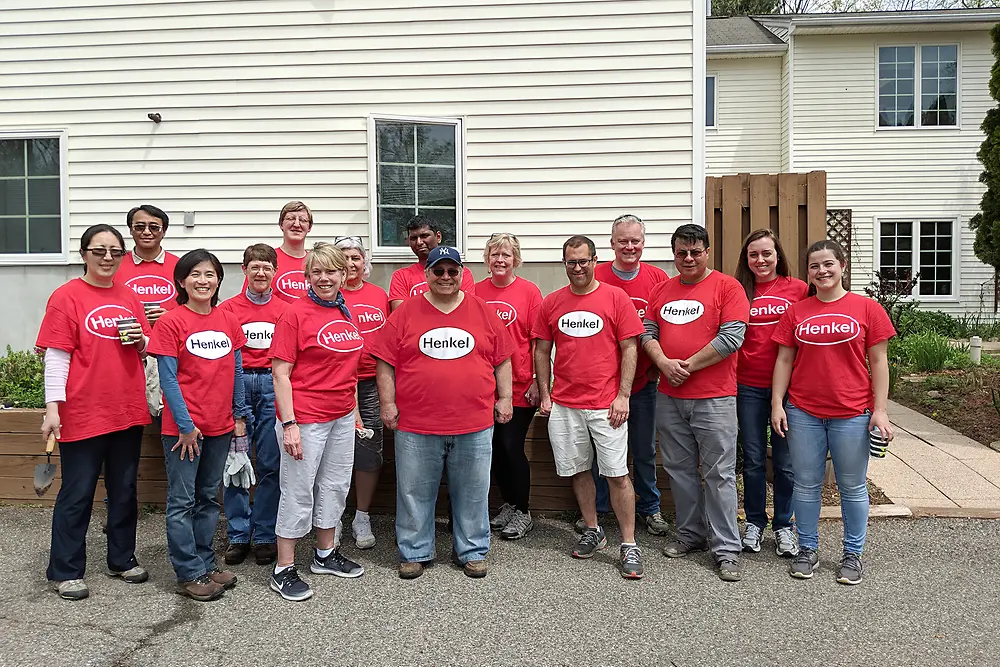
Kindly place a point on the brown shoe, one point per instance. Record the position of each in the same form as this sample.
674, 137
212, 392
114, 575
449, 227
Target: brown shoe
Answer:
265, 554
201, 589
237, 553
224, 578
475, 569
410, 570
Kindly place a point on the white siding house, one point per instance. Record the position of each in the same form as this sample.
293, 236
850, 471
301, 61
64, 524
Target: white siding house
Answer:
544, 118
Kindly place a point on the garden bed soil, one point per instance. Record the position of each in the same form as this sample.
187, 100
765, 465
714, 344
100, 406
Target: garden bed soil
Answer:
959, 399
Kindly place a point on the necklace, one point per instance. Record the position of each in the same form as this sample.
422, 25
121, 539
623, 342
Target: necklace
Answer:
773, 285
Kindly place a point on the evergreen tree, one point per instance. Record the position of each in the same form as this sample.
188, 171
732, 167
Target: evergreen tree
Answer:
986, 223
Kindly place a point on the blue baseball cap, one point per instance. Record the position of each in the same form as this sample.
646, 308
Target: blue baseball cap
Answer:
443, 252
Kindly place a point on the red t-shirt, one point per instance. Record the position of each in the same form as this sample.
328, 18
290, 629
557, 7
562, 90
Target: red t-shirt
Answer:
517, 306
759, 352
830, 378
369, 307
106, 387
204, 346
444, 364
258, 322
152, 282
324, 348
689, 317
587, 331
638, 290
411, 281
290, 282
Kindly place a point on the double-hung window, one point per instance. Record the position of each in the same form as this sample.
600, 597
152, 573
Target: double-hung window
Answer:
925, 248
918, 86
31, 202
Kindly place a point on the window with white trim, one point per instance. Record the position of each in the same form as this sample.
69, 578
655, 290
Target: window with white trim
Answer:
30, 197
711, 90
908, 74
417, 165
925, 248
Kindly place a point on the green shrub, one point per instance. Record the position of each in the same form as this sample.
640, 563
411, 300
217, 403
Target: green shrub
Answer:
958, 357
21, 380
928, 321
926, 352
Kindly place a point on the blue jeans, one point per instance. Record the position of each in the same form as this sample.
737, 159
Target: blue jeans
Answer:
809, 439
420, 460
242, 522
753, 411
193, 504
642, 447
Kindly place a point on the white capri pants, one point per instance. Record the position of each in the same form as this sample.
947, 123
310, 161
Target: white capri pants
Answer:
314, 490
571, 431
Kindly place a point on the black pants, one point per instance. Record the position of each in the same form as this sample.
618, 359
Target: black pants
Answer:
510, 464
80, 463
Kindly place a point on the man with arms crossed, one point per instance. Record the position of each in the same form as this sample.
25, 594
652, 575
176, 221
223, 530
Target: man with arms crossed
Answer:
423, 235
594, 328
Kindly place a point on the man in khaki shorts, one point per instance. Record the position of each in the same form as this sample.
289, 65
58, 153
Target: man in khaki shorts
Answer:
595, 330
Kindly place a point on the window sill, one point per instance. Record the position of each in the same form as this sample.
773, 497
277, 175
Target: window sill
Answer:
33, 260
922, 128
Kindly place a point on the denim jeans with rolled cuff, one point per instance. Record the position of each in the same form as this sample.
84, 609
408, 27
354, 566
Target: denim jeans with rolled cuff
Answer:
753, 410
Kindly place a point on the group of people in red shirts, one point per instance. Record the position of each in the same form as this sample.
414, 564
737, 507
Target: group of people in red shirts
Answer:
311, 362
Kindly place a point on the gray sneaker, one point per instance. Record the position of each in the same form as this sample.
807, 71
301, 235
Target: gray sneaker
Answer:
71, 589
785, 544
849, 572
503, 517
592, 540
656, 524
134, 575
631, 562
336, 564
518, 526
804, 564
678, 549
751, 538
580, 525
730, 570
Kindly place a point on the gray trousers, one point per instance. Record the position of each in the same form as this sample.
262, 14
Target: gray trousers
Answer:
702, 431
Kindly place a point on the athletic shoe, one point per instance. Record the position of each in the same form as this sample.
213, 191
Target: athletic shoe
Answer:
581, 524
849, 572
631, 562
133, 575
288, 585
518, 526
265, 554
410, 570
751, 538
202, 589
236, 553
730, 570
71, 589
785, 544
503, 517
592, 540
656, 524
362, 530
336, 564
804, 564
678, 549
224, 578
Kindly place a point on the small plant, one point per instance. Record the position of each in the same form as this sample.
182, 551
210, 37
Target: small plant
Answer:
21, 380
958, 357
892, 290
927, 352
896, 370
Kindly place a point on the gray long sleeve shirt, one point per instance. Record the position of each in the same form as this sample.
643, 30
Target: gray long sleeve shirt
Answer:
728, 340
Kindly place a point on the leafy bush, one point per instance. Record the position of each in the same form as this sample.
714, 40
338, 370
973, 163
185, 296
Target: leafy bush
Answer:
928, 321
925, 352
21, 380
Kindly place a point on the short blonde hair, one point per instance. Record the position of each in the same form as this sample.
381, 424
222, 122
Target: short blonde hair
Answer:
498, 240
327, 256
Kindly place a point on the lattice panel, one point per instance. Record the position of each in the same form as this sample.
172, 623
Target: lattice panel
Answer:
838, 228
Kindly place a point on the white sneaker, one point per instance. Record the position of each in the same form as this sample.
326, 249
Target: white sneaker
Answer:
71, 589
362, 529
785, 543
751, 538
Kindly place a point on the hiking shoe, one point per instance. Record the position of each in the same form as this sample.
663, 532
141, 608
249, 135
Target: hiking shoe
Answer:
503, 517
581, 525
730, 570
224, 578
202, 589
265, 554
476, 569
364, 538
237, 553
678, 549
804, 564
410, 570
133, 575
849, 572
655, 523
751, 538
592, 540
71, 589
288, 585
785, 544
518, 526
336, 564
631, 562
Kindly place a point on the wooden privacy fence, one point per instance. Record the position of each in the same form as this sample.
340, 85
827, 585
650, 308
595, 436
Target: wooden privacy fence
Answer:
793, 205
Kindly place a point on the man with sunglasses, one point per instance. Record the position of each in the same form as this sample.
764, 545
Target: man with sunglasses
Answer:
423, 235
694, 326
595, 330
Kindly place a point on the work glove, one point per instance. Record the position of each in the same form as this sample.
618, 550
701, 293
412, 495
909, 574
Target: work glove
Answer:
239, 471
365, 433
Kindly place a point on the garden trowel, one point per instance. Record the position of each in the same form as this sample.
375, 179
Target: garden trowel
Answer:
46, 472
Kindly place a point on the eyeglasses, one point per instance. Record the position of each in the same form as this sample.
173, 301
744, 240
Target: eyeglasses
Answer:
142, 226
353, 239
694, 254
440, 271
116, 253
580, 263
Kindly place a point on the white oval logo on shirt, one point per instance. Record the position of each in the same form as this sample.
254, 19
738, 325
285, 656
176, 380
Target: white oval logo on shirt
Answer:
103, 320
418, 289
259, 334
209, 344
827, 329
767, 310
369, 318
580, 324
640, 306
446, 343
152, 289
340, 336
682, 311
506, 312
291, 283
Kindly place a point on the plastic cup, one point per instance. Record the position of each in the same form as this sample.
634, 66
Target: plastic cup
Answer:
124, 325
877, 443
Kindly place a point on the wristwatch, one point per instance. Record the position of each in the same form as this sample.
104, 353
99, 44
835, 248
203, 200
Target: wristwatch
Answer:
290, 422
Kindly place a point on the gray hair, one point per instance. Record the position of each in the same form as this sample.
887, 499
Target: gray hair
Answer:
353, 242
628, 219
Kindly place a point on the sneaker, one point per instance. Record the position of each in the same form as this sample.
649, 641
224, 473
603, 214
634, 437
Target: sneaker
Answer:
518, 526
237, 553
288, 585
678, 549
202, 589
336, 564
849, 572
133, 575
71, 589
410, 570
224, 578
364, 538
730, 570
580, 526
631, 562
786, 545
592, 540
656, 524
751, 538
265, 554
503, 517
804, 564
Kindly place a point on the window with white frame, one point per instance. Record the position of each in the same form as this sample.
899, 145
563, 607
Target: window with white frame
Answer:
711, 90
921, 248
30, 196
908, 75
417, 172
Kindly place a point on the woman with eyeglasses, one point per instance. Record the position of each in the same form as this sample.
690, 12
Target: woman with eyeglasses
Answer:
94, 335
516, 302
369, 306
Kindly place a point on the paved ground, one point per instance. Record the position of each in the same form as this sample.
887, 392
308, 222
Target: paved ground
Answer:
931, 598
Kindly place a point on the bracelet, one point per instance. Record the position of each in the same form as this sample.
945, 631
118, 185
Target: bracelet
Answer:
290, 422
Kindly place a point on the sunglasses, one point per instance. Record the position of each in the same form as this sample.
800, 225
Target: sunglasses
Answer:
695, 254
116, 253
440, 271
355, 239
142, 226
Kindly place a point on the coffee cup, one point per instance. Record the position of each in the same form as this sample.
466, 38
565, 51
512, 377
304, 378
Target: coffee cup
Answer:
877, 443
124, 326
